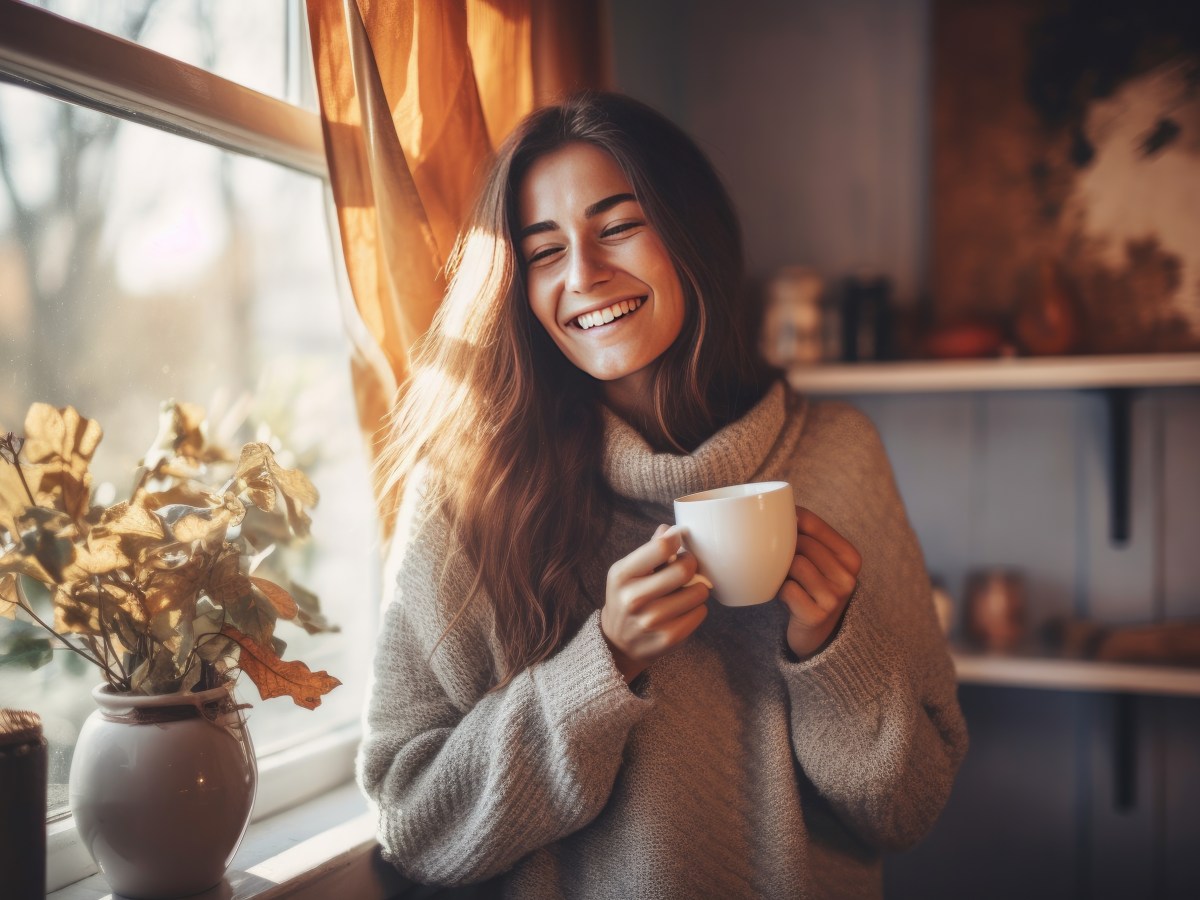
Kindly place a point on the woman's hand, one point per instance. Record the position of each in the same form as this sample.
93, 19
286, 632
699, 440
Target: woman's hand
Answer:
823, 575
648, 610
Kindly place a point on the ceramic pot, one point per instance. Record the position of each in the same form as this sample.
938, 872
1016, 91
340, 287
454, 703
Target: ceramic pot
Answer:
996, 609
1048, 321
161, 789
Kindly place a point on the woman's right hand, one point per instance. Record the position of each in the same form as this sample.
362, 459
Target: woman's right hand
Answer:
649, 607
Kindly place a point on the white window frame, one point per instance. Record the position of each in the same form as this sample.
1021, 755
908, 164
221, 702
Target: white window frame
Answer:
57, 56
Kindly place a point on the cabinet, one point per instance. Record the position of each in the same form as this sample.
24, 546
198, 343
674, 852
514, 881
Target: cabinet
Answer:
1083, 778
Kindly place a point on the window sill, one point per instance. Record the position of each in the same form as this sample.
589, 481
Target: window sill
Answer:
322, 848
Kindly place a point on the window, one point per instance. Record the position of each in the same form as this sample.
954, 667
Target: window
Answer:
139, 265
258, 45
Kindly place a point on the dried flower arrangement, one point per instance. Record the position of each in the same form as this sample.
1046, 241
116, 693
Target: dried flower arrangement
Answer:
159, 590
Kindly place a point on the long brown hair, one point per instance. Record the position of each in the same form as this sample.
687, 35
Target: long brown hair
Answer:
508, 433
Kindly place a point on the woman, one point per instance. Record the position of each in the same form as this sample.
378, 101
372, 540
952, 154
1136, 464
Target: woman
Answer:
556, 706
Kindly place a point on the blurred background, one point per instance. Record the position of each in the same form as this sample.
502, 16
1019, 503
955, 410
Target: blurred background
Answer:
1005, 190
980, 159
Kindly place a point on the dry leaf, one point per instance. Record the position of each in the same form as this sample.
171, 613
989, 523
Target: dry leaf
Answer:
47, 535
13, 499
136, 527
156, 675
180, 449
310, 617
211, 645
129, 519
181, 494
262, 529
226, 583
99, 554
61, 443
122, 624
18, 562
200, 526
275, 677
254, 617
189, 524
284, 605
173, 586
61, 433
76, 610
9, 599
262, 475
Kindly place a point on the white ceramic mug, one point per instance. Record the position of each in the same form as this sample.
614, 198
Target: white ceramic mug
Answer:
743, 537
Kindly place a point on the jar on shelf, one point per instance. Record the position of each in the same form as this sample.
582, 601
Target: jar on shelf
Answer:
996, 616
866, 309
793, 320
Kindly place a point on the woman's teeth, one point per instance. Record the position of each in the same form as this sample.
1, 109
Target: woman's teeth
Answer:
606, 315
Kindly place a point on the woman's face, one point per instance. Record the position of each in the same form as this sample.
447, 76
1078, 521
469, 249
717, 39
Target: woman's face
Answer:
599, 278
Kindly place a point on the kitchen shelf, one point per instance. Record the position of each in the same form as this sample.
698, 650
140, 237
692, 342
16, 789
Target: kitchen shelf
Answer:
1014, 374
1075, 675
1116, 376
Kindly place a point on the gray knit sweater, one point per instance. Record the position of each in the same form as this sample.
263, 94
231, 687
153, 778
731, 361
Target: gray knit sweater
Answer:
732, 771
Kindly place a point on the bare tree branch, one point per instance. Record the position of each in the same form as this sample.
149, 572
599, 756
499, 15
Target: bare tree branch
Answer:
21, 212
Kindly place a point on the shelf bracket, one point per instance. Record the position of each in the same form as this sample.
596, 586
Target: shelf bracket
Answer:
1120, 403
1125, 760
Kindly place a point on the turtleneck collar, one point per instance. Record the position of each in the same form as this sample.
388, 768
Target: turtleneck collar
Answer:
731, 456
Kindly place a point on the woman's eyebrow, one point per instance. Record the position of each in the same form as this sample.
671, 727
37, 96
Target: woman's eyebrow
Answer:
600, 206
606, 204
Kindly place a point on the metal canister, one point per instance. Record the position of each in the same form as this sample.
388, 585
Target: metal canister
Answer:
22, 804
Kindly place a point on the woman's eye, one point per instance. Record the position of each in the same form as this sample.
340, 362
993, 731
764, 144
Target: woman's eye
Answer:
615, 230
542, 255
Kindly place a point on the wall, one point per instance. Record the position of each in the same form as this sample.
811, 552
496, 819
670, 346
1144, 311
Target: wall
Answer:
1062, 794
817, 114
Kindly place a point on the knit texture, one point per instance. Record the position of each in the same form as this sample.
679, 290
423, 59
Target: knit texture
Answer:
732, 770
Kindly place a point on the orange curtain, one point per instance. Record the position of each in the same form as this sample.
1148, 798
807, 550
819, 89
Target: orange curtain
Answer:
414, 96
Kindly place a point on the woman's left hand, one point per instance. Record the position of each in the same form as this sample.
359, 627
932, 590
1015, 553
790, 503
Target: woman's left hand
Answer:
820, 581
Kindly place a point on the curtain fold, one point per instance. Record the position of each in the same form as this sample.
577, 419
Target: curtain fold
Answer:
414, 95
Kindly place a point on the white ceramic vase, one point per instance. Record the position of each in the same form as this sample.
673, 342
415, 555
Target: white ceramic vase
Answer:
161, 789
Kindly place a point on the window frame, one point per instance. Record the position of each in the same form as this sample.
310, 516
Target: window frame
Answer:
57, 56
60, 57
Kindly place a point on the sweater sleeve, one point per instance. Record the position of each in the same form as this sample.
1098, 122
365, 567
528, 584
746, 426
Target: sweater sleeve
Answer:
875, 719
468, 781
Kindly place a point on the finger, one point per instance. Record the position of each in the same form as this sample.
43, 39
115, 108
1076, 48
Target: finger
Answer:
815, 585
685, 624
808, 522
830, 566
652, 554
663, 610
800, 605
668, 579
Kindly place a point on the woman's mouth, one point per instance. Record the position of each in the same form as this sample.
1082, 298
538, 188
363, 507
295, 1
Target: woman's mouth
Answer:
604, 316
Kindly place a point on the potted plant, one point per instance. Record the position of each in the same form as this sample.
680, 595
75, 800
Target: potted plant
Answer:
165, 593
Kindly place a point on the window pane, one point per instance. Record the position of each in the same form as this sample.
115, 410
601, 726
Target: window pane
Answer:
257, 44
138, 266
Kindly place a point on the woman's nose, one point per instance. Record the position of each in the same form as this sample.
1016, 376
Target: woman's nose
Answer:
586, 270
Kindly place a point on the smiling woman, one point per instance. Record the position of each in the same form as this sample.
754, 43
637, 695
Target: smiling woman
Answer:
559, 704
598, 201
